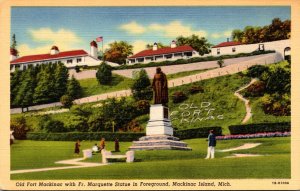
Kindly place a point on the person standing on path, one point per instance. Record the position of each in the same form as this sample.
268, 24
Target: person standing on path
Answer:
102, 144
117, 146
77, 145
211, 145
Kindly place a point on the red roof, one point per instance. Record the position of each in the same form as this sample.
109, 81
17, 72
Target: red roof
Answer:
44, 57
160, 51
223, 44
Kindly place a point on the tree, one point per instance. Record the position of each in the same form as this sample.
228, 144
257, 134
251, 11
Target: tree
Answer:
24, 96
14, 44
118, 52
237, 35
104, 74
61, 76
74, 89
19, 126
141, 87
199, 44
15, 83
66, 101
159, 45
43, 92
220, 63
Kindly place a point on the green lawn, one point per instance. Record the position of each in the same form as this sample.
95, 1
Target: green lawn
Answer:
158, 164
92, 87
188, 73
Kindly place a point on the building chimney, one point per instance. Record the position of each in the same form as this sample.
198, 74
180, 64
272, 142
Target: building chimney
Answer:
94, 49
54, 50
155, 46
13, 54
227, 39
173, 44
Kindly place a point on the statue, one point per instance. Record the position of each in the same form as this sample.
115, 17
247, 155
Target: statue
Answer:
160, 87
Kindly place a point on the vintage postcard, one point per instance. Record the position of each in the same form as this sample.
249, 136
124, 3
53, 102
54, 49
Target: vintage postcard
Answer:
149, 95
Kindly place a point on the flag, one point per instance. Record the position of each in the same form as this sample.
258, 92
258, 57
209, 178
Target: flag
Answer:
99, 39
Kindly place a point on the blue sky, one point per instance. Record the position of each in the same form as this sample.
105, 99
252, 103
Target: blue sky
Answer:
38, 28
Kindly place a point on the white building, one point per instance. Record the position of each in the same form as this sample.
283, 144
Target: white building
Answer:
70, 58
230, 47
161, 54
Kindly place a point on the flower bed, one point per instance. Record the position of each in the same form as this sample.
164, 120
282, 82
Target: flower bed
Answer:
256, 135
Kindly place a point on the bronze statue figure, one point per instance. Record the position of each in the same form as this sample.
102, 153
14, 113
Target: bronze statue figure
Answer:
160, 87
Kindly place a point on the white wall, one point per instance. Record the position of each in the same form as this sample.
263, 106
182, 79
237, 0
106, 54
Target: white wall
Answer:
278, 46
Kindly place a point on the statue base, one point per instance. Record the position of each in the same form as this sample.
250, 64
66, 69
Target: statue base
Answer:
159, 132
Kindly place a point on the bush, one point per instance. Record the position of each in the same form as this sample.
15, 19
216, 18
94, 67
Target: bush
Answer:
256, 71
220, 62
196, 89
197, 133
49, 125
133, 126
256, 89
178, 97
77, 68
66, 101
19, 127
104, 74
122, 136
276, 104
260, 128
143, 107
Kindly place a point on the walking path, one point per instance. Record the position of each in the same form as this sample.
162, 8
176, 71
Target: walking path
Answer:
247, 102
243, 147
230, 69
76, 162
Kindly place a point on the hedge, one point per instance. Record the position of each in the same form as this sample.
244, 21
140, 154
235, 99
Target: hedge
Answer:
260, 128
109, 136
190, 60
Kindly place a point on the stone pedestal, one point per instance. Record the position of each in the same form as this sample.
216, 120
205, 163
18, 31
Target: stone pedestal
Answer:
159, 132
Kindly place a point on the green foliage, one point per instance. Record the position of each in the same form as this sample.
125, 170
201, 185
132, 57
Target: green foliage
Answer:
159, 45
141, 87
277, 30
143, 106
178, 97
19, 126
277, 104
79, 118
74, 89
197, 132
118, 52
49, 125
104, 74
77, 69
260, 128
199, 44
66, 101
256, 89
61, 75
256, 71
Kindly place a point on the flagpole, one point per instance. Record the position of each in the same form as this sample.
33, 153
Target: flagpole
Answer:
102, 49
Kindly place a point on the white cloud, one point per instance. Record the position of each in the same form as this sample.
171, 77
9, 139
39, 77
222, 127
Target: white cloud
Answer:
227, 33
216, 35
172, 29
64, 39
176, 28
224, 34
133, 28
139, 45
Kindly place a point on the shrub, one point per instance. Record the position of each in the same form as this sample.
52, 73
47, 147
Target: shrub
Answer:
133, 126
77, 68
19, 127
276, 104
143, 107
104, 74
49, 125
66, 101
260, 128
197, 133
196, 89
178, 97
256, 89
220, 63
256, 71
141, 87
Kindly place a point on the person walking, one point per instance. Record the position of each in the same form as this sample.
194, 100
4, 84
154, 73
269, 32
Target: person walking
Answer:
211, 145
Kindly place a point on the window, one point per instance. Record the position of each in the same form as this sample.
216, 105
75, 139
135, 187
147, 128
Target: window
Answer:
188, 54
168, 56
69, 61
233, 49
79, 60
218, 51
